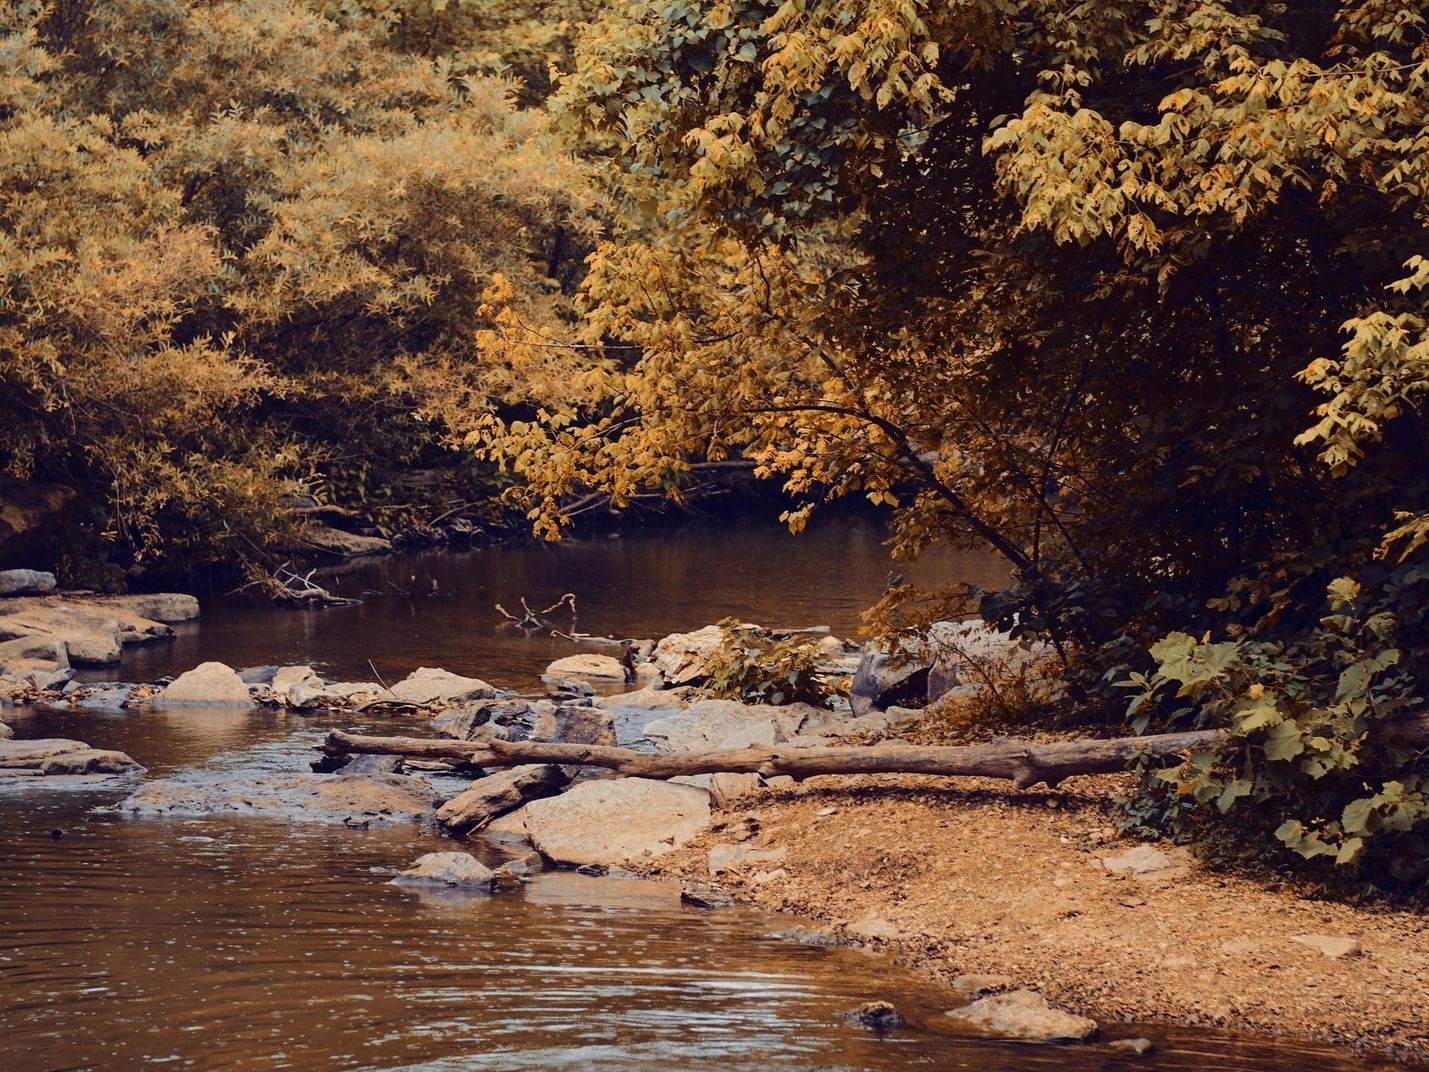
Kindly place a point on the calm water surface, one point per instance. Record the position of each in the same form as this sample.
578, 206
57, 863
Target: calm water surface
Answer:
642, 586
238, 943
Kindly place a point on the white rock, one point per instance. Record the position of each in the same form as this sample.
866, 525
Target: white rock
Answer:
430, 685
614, 821
43, 653
1025, 1014
207, 683
447, 869
1331, 945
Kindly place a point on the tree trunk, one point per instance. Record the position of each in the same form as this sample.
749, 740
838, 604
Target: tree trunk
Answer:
493, 796
1025, 763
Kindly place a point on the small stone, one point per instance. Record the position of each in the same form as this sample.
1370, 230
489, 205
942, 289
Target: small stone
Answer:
699, 895
823, 812
1331, 945
876, 1015
874, 926
447, 869
1137, 1046
979, 985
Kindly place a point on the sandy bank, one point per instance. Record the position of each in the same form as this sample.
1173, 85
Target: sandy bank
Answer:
979, 878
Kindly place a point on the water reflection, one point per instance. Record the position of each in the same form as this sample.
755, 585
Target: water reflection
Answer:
638, 586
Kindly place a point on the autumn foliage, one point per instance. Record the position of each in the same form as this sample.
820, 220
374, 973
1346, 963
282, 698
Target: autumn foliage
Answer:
242, 243
1134, 293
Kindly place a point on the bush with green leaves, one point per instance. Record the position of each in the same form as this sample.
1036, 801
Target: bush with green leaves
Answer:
754, 667
1313, 760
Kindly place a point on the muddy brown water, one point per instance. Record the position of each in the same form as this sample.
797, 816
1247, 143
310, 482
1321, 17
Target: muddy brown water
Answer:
245, 943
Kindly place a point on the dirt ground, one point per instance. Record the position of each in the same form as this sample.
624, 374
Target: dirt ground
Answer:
980, 878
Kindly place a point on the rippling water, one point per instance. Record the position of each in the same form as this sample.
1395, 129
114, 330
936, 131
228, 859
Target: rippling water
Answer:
240, 943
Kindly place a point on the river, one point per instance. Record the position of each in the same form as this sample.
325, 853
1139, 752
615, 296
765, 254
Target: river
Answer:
240, 943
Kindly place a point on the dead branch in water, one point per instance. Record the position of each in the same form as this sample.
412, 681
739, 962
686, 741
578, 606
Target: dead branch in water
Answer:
287, 585
531, 619
1025, 763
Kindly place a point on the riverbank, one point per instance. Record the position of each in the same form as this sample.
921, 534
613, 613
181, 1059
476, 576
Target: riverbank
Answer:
976, 878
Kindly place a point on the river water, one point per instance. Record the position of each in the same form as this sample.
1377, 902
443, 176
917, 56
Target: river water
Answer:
240, 943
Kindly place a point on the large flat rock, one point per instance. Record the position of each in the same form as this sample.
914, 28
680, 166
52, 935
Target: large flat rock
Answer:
60, 756
615, 821
717, 724
331, 798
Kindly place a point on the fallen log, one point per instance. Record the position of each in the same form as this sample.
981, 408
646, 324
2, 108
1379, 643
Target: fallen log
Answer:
493, 796
1025, 763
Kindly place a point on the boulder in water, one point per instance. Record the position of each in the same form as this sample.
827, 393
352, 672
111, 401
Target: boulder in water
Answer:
682, 657
598, 669
448, 869
429, 685
207, 683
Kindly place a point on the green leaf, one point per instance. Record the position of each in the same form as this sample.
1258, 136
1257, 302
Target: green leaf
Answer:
1283, 742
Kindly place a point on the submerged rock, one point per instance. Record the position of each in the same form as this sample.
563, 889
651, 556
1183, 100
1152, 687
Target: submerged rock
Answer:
431, 685
615, 821
1025, 1015
207, 683
448, 869
876, 1015
332, 798
1137, 1046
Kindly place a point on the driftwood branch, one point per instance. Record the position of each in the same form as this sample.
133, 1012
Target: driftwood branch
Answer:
1025, 763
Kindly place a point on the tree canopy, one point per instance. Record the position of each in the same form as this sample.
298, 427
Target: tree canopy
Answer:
1134, 293
241, 242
